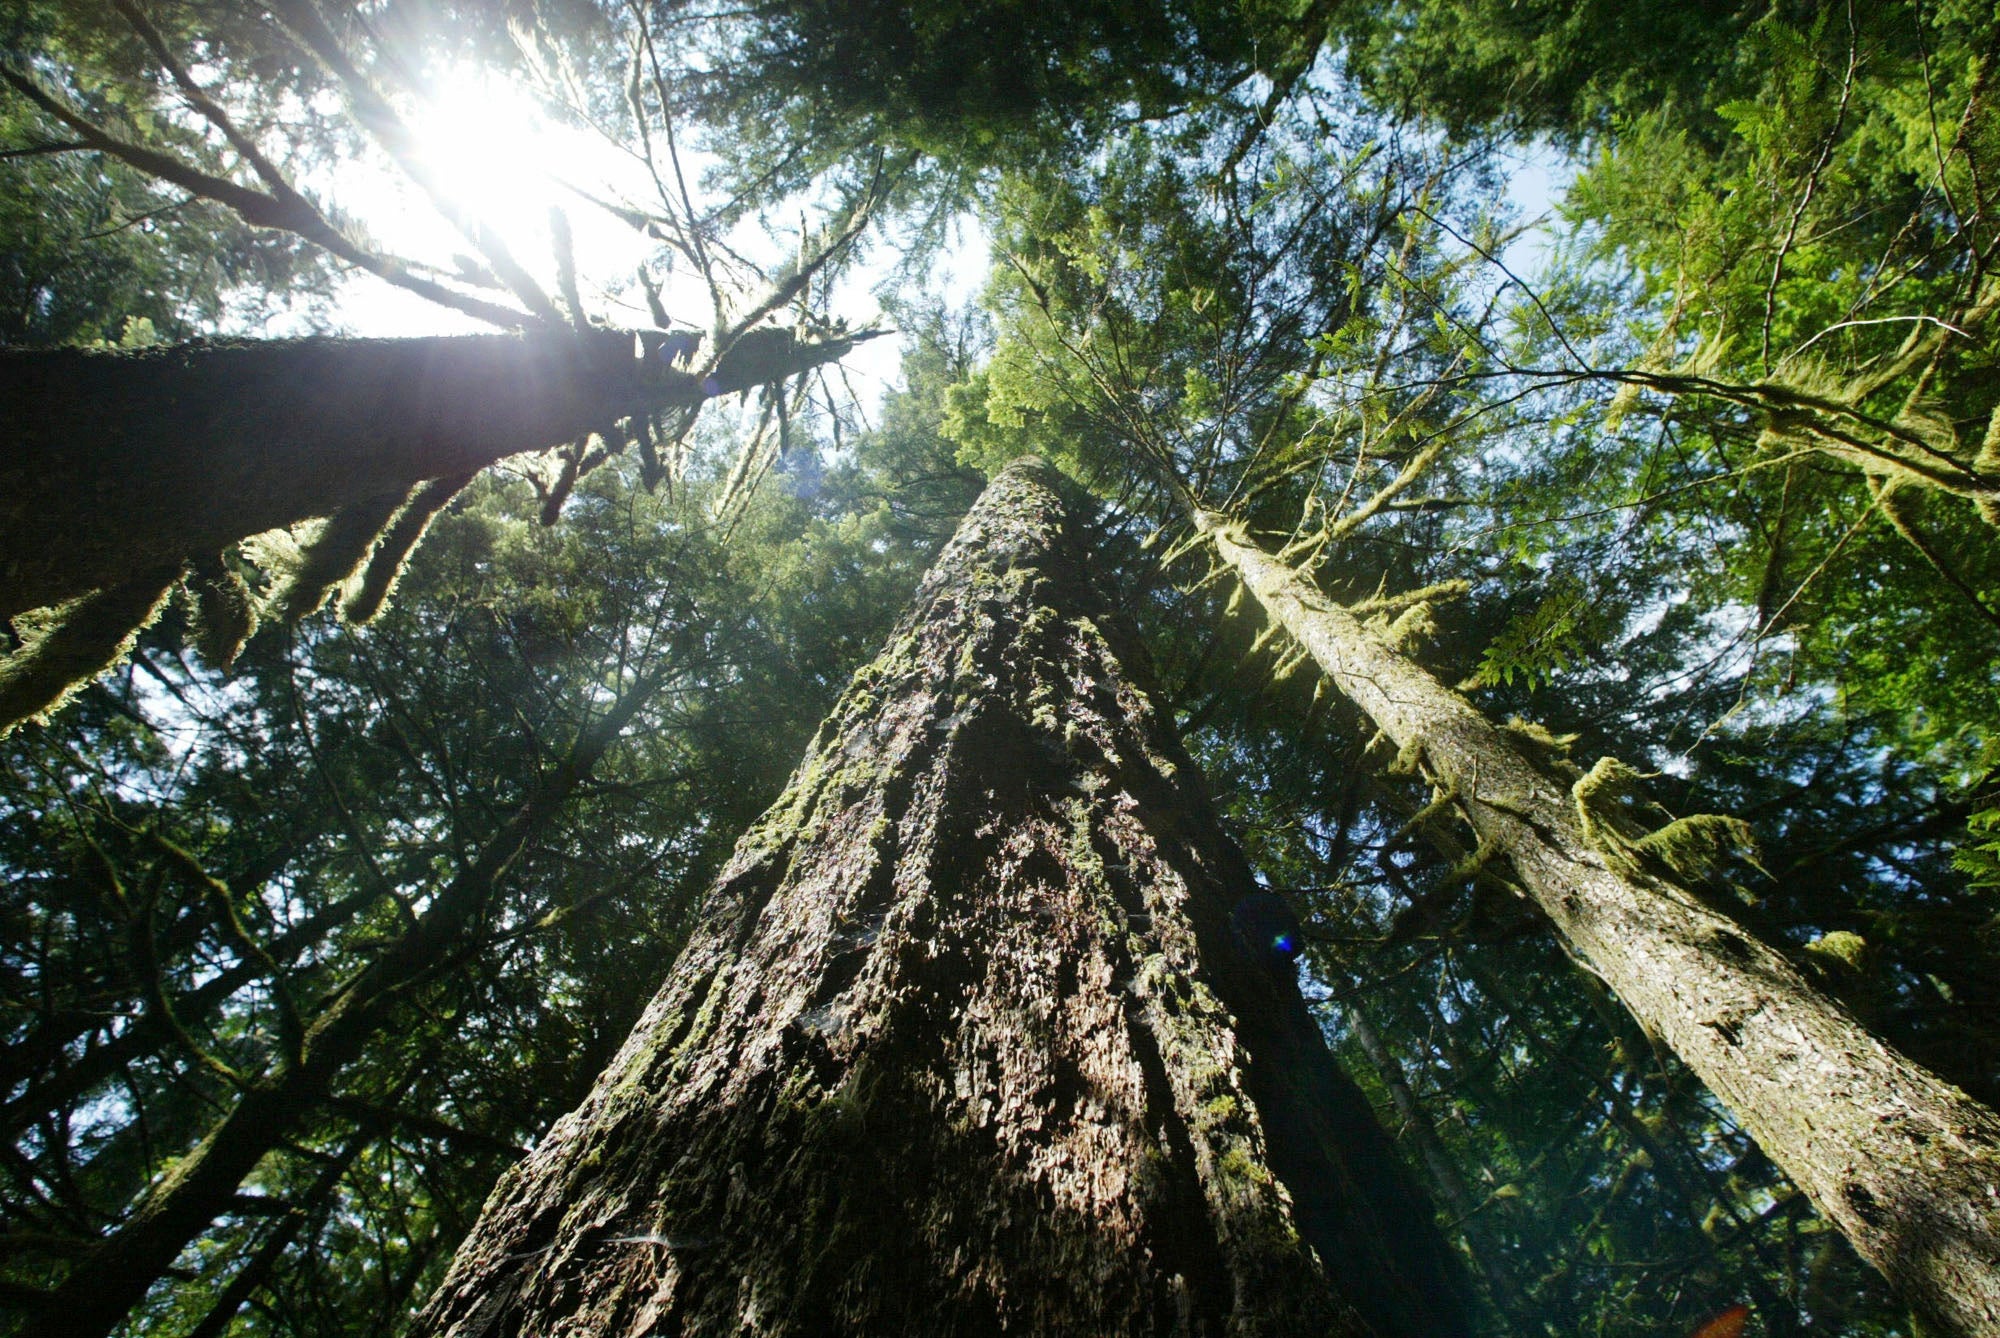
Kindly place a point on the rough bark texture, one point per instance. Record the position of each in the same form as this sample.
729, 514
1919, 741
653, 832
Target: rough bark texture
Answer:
966, 1043
118, 462
1905, 1164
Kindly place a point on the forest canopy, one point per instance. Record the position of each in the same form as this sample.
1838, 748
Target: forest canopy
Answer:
1541, 461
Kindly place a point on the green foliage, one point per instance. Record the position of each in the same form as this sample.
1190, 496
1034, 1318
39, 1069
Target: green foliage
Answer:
333, 786
973, 84
1980, 856
1540, 643
1775, 234
93, 251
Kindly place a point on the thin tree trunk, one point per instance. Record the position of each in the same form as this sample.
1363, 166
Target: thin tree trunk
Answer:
1513, 1306
1673, 1163
1906, 1165
257, 1269
966, 1042
105, 1285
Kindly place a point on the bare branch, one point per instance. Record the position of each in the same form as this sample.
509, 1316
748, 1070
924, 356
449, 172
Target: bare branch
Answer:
295, 215
382, 121
198, 98
38, 150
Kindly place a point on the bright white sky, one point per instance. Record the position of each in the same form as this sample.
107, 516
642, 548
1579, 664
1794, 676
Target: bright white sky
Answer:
505, 160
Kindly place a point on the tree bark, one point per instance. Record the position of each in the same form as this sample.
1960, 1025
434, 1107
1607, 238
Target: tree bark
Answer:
1903, 1163
966, 1042
119, 462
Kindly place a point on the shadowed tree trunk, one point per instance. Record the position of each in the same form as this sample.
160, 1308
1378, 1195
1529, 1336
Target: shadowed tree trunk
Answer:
121, 462
1906, 1165
975, 1036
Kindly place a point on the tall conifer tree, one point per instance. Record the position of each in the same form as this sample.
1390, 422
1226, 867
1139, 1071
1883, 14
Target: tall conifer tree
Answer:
986, 1029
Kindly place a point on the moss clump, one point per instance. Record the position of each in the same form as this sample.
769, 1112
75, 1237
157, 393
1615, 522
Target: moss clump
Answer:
1842, 950
221, 612
1608, 799
1700, 845
65, 647
1550, 751
321, 555
369, 589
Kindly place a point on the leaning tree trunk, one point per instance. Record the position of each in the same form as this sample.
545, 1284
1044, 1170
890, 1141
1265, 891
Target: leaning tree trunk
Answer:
967, 1041
1906, 1165
125, 461
119, 463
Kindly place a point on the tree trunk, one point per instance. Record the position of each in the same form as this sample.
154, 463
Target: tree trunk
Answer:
1505, 1292
256, 1270
1906, 1165
120, 462
967, 1041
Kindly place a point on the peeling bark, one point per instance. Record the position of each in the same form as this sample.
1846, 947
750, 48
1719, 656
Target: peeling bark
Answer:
1903, 1163
965, 1042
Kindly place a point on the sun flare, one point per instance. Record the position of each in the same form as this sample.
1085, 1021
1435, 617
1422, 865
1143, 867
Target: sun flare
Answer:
489, 156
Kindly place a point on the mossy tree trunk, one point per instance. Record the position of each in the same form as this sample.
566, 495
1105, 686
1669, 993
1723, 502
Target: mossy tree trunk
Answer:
967, 1041
1903, 1163
122, 462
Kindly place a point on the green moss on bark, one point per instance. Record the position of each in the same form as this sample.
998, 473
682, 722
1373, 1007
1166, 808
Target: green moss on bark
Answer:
965, 1042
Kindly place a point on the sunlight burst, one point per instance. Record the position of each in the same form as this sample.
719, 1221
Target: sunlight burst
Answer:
493, 158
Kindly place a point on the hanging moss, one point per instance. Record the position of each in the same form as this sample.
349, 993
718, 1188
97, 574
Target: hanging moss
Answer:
1987, 462
66, 647
305, 573
568, 470
1428, 594
1409, 759
1699, 845
221, 612
369, 590
1288, 667
1475, 864
1600, 796
1402, 620
1690, 849
650, 469
1549, 750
